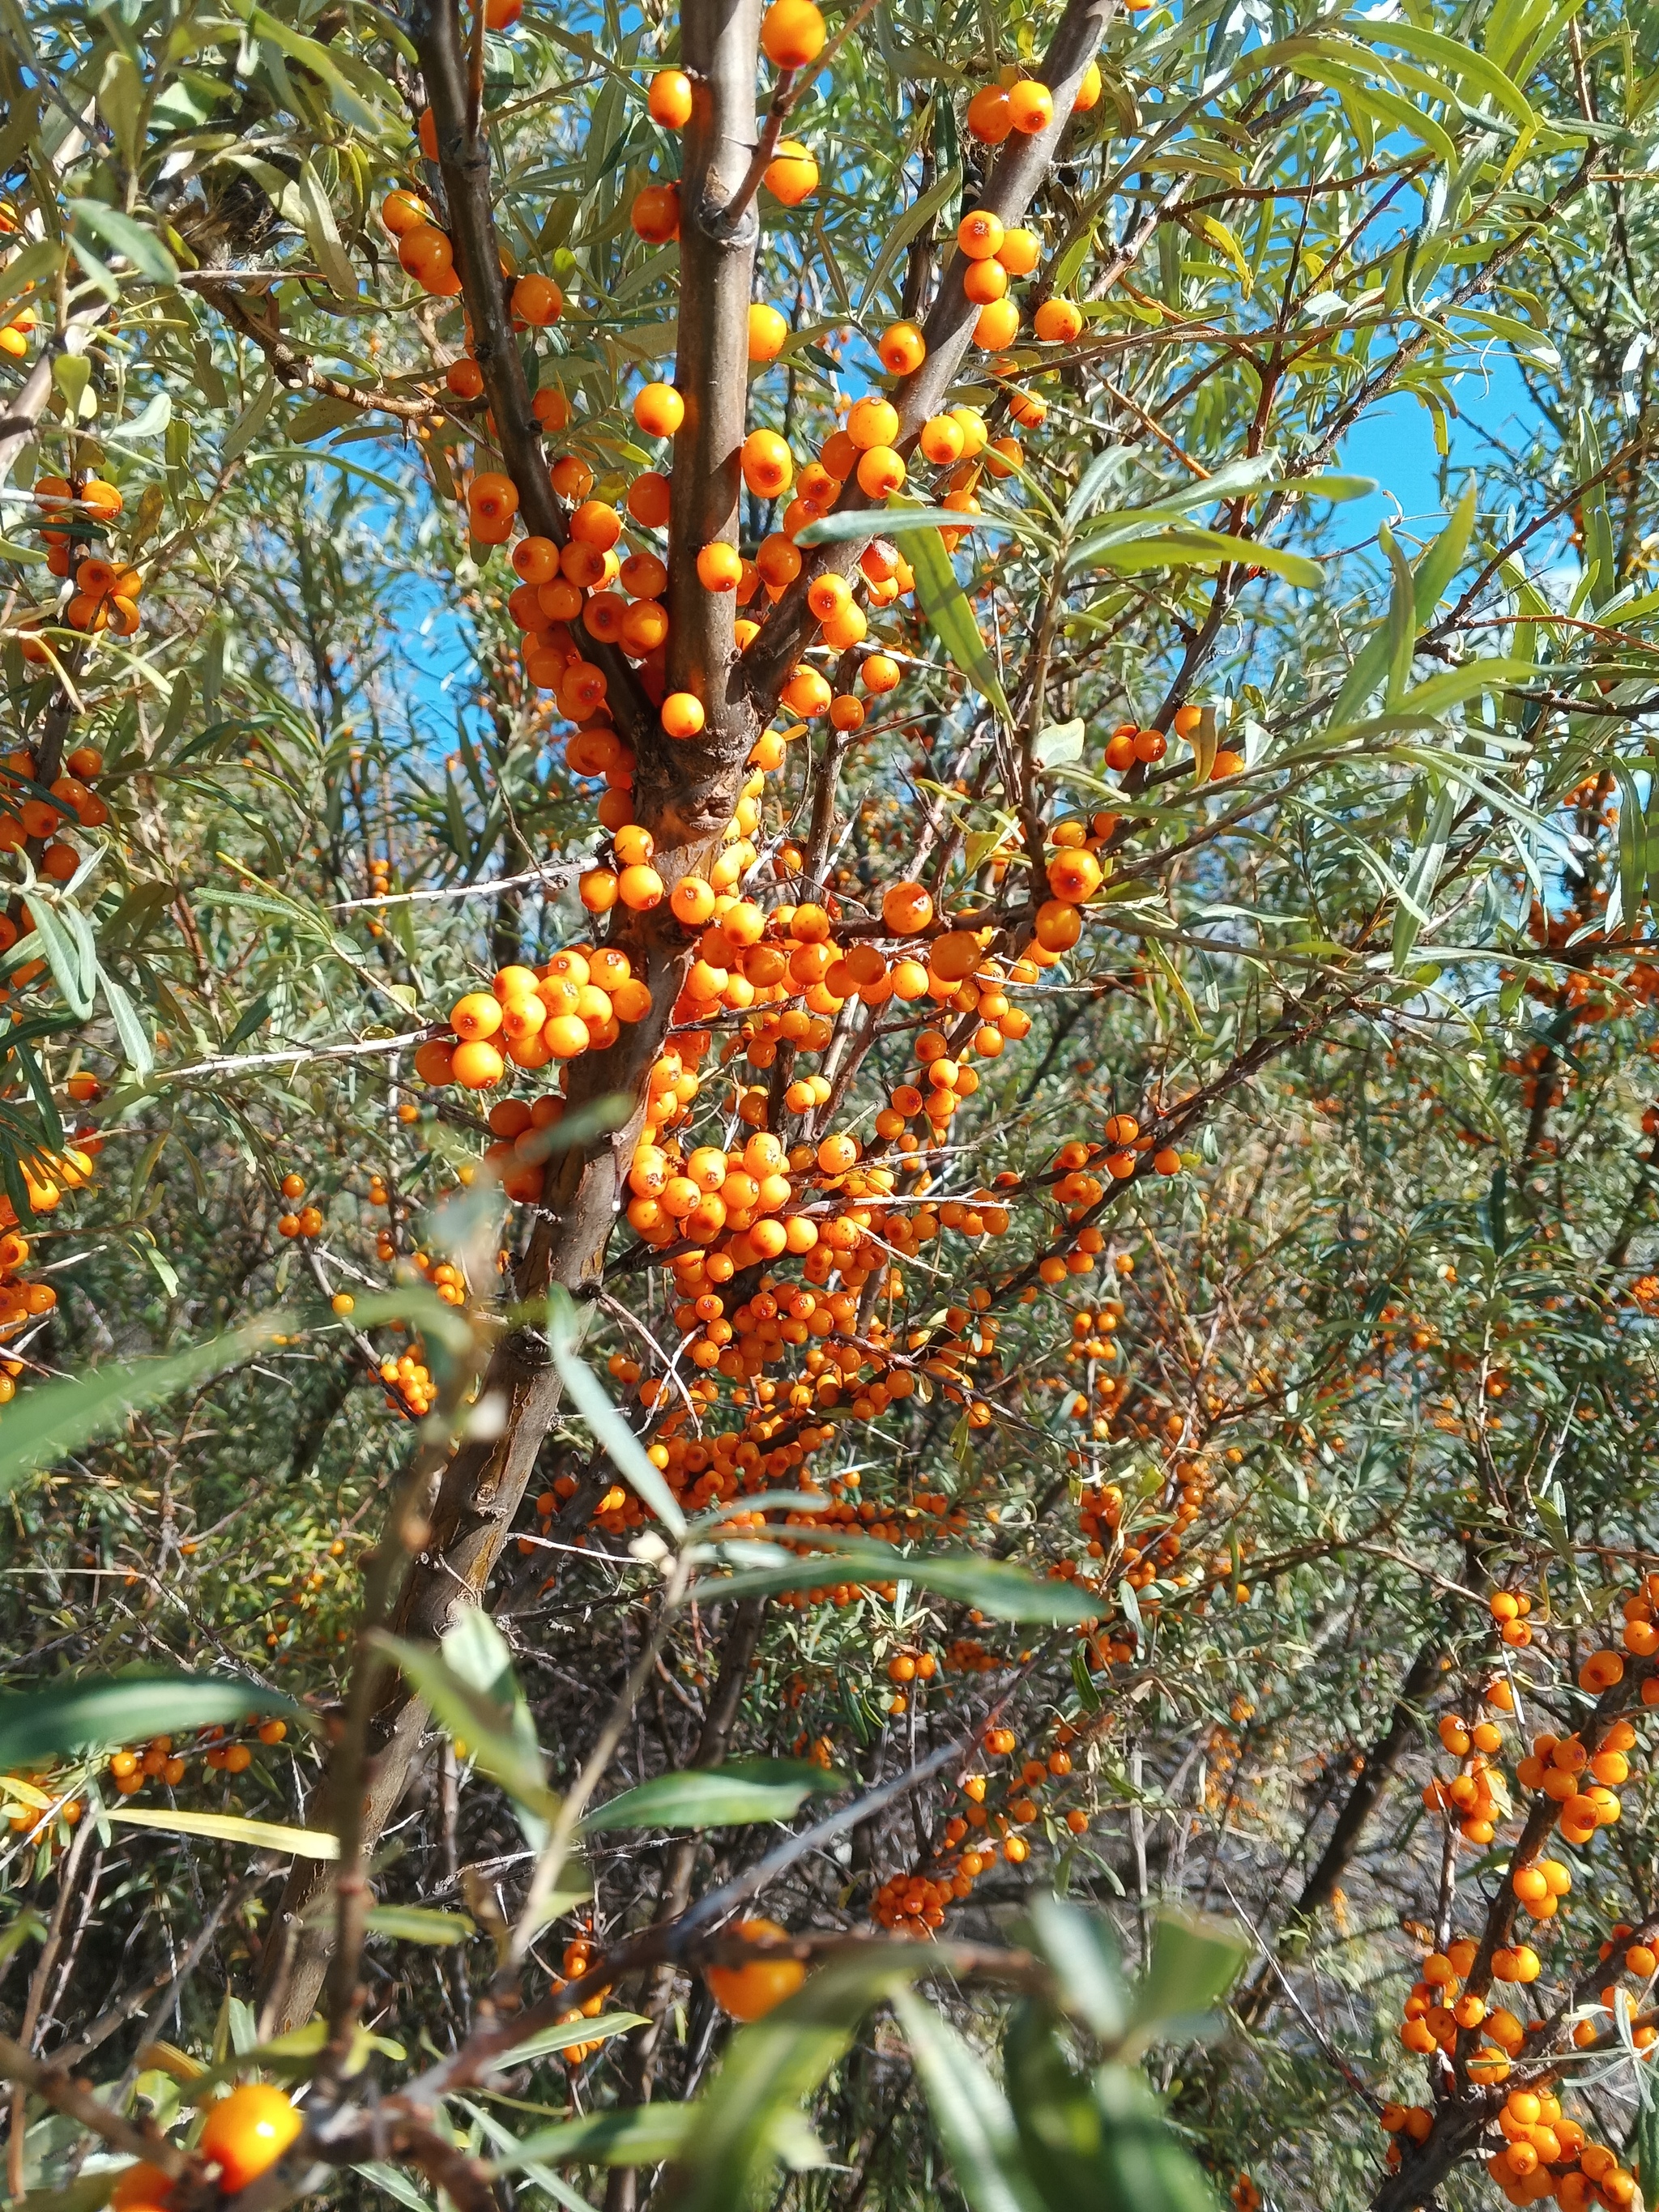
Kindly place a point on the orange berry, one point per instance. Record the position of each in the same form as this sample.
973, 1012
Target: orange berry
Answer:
751, 1991
902, 349
720, 566
1057, 322
979, 235
791, 33
670, 99
792, 175
658, 410
247, 2132
683, 715
769, 467
768, 332
1030, 106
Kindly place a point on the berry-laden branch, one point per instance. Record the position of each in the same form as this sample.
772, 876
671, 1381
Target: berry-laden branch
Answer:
685, 797
462, 156
949, 328
685, 785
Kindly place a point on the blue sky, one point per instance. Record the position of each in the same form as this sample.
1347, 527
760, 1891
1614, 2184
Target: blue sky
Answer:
1396, 443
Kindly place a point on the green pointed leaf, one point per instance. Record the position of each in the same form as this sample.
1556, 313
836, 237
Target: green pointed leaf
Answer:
1193, 1962
589, 1394
1082, 1953
772, 2071
101, 1710
726, 1797
469, 1683
640, 2135
944, 603
970, 2112
141, 247
995, 1586
53, 1420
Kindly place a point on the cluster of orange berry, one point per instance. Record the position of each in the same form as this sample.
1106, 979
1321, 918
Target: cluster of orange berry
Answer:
40, 814
103, 592
578, 1958
426, 252
1545, 2154
575, 1003
158, 1761
917, 1905
408, 1380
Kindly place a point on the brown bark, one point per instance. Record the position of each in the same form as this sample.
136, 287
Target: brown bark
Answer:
685, 795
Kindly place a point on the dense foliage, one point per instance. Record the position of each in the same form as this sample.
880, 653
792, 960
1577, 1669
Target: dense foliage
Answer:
818, 1104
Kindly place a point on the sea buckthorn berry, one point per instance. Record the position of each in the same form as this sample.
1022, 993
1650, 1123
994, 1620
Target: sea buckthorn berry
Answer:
873, 421
683, 715
1057, 322
829, 595
753, 1989
769, 467
984, 281
1088, 93
941, 440
979, 235
247, 2132
1019, 251
658, 410
881, 472
1030, 106
987, 118
791, 33
768, 332
720, 566
655, 214
997, 327
670, 99
792, 174
902, 349
537, 300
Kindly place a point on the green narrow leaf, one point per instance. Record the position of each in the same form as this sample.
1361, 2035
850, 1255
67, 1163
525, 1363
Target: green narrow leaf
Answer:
1633, 846
548, 2039
61, 952
1195, 1961
419, 1923
995, 1586
1402, 619
771, 2072
1412, 912
623, 1448
946, 605
909, 223
973, 2116
141, 247
1430, 578
135, 1040
641, 2134
1083, 1955
904, 520
56, 1418
100, 1709
1187, 546
720, 1797
35, 1076
489, 1713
